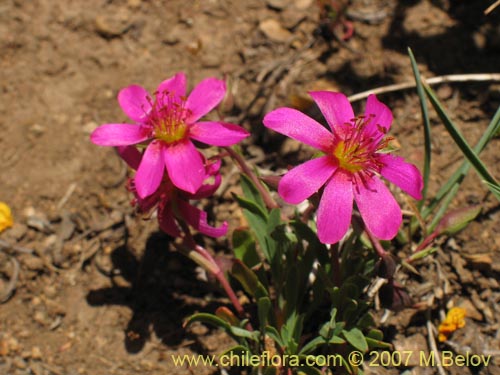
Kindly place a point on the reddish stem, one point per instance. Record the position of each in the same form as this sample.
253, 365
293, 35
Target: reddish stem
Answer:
268, 200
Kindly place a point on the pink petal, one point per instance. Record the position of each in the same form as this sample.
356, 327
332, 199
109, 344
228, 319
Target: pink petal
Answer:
217, 133
167, 222
334, 106
403, 174
184, 165
379, 210
175, 87
306, 179
150, 172
382, 116
299, 126
134, 102
207, 190
130, 155
204, 97
119, 135
198, 220
335, 208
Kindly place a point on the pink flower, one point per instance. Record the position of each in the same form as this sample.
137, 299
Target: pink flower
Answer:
171, 203
350, 169
167, 124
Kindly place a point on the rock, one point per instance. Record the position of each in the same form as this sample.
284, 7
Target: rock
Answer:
290, 146
37, 130
277, 4
290, 18
303, 4
273, 30
89, 127
134, 4
111, 26
211, 60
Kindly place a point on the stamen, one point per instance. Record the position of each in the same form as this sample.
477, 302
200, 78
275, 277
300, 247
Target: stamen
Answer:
356, 148
168, 116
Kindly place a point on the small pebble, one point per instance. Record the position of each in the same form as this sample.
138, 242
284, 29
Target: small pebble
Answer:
273, 30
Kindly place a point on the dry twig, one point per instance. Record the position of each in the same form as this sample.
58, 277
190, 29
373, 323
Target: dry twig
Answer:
492, 7
480, 77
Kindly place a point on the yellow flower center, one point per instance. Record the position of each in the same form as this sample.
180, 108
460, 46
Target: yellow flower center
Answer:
168, 118
349, 156
170, 132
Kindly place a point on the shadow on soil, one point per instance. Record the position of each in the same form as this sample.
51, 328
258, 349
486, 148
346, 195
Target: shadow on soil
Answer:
471, 45
158, 281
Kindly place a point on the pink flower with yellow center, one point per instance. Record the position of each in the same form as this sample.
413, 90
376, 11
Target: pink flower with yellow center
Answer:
167, 124
354, 159
172, 204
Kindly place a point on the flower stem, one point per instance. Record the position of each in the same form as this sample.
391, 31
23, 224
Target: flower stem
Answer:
376, 244
204, 259
268, 199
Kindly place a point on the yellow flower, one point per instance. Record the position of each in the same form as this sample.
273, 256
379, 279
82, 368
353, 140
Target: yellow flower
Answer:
454, 320
6, 220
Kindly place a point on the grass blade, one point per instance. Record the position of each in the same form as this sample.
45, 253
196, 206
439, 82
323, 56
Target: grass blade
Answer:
460, 141
427, 126
461, 172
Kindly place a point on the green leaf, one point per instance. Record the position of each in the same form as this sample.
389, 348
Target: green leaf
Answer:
248, 279
274, 334
313, 345
263, 309
375, 334
208, 319
457, 220
250, 191
356, 338
238, 350
309, 371
227, 315
460, 140
427, 126
252, 207
449, 189
366, 321
241, 332
244, 247
372, 343
259, 221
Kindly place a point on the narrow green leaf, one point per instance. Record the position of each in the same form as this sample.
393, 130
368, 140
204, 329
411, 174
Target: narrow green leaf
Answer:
251, 206
244, 247
312, 345
239, 350
494, 189
456, 220
263, 309
309, 371
459, 139
356, 338
241, 332
372, 343
427, 126
250, 191
248, 279
456, 179
208, 319
375, 334
274, 334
